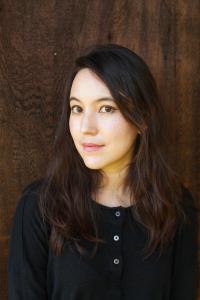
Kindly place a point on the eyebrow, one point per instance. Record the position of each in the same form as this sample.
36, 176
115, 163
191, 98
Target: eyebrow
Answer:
97, 100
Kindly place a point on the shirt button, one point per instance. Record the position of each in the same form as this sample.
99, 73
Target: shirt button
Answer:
116, 261
116, 237
117, 213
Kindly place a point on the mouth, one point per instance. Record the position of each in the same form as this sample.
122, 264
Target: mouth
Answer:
92, 147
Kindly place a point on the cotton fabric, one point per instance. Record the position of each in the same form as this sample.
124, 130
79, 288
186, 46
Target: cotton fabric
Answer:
117, 271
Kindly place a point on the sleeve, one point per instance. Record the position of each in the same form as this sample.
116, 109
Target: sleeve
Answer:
28, 250
185, 266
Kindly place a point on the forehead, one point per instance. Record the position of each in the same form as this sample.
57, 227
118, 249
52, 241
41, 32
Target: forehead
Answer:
87, 85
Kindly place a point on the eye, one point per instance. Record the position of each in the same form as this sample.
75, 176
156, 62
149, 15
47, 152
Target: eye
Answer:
109, 108
73, 108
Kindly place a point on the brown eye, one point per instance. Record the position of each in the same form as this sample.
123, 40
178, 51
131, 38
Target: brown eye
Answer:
74, 111
109, 108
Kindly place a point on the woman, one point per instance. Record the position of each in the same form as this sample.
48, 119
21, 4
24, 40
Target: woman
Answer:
111, 219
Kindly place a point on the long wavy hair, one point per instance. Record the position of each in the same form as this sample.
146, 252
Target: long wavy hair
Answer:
155, 187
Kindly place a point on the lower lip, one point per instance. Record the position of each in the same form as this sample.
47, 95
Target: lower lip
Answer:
91, 148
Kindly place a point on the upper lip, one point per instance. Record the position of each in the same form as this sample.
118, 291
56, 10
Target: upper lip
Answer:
90, 145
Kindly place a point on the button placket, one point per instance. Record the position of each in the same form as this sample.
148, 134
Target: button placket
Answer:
116, 262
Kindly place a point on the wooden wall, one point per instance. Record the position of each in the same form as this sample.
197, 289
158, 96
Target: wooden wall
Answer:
38, 41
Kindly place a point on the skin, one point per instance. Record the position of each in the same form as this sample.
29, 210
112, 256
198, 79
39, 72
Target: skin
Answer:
101, 123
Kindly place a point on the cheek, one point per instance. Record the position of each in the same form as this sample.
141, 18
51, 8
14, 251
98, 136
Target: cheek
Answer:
120, 130
73, 127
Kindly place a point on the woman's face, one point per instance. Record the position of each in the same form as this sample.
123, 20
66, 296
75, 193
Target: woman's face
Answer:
99, 122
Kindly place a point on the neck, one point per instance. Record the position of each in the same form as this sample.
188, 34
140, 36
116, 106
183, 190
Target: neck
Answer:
112, 191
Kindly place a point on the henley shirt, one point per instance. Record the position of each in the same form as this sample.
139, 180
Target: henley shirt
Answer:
116, 272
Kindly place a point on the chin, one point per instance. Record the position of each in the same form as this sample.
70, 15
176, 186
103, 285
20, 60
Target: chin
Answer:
93, 165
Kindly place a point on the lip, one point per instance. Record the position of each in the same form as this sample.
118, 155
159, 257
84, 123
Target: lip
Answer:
89, 147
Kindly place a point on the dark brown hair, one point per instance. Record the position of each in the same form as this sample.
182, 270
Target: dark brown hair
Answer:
155, 187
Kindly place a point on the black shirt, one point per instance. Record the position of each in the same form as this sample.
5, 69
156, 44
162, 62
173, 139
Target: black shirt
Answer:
116, 272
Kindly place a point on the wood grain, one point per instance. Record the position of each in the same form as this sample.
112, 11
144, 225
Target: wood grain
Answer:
38, 42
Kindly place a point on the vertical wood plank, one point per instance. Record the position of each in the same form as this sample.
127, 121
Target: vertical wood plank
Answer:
38, 42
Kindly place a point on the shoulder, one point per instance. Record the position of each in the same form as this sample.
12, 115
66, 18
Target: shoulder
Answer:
190, 207
33, 187
27, 207
28, 245
188, 199
30, 194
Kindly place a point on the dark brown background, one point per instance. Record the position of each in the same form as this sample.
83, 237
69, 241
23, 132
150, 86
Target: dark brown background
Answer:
38, 41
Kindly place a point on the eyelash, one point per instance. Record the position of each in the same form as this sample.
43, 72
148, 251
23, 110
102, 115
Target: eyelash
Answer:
113, 109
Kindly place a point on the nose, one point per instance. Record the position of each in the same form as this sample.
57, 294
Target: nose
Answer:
88, 124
